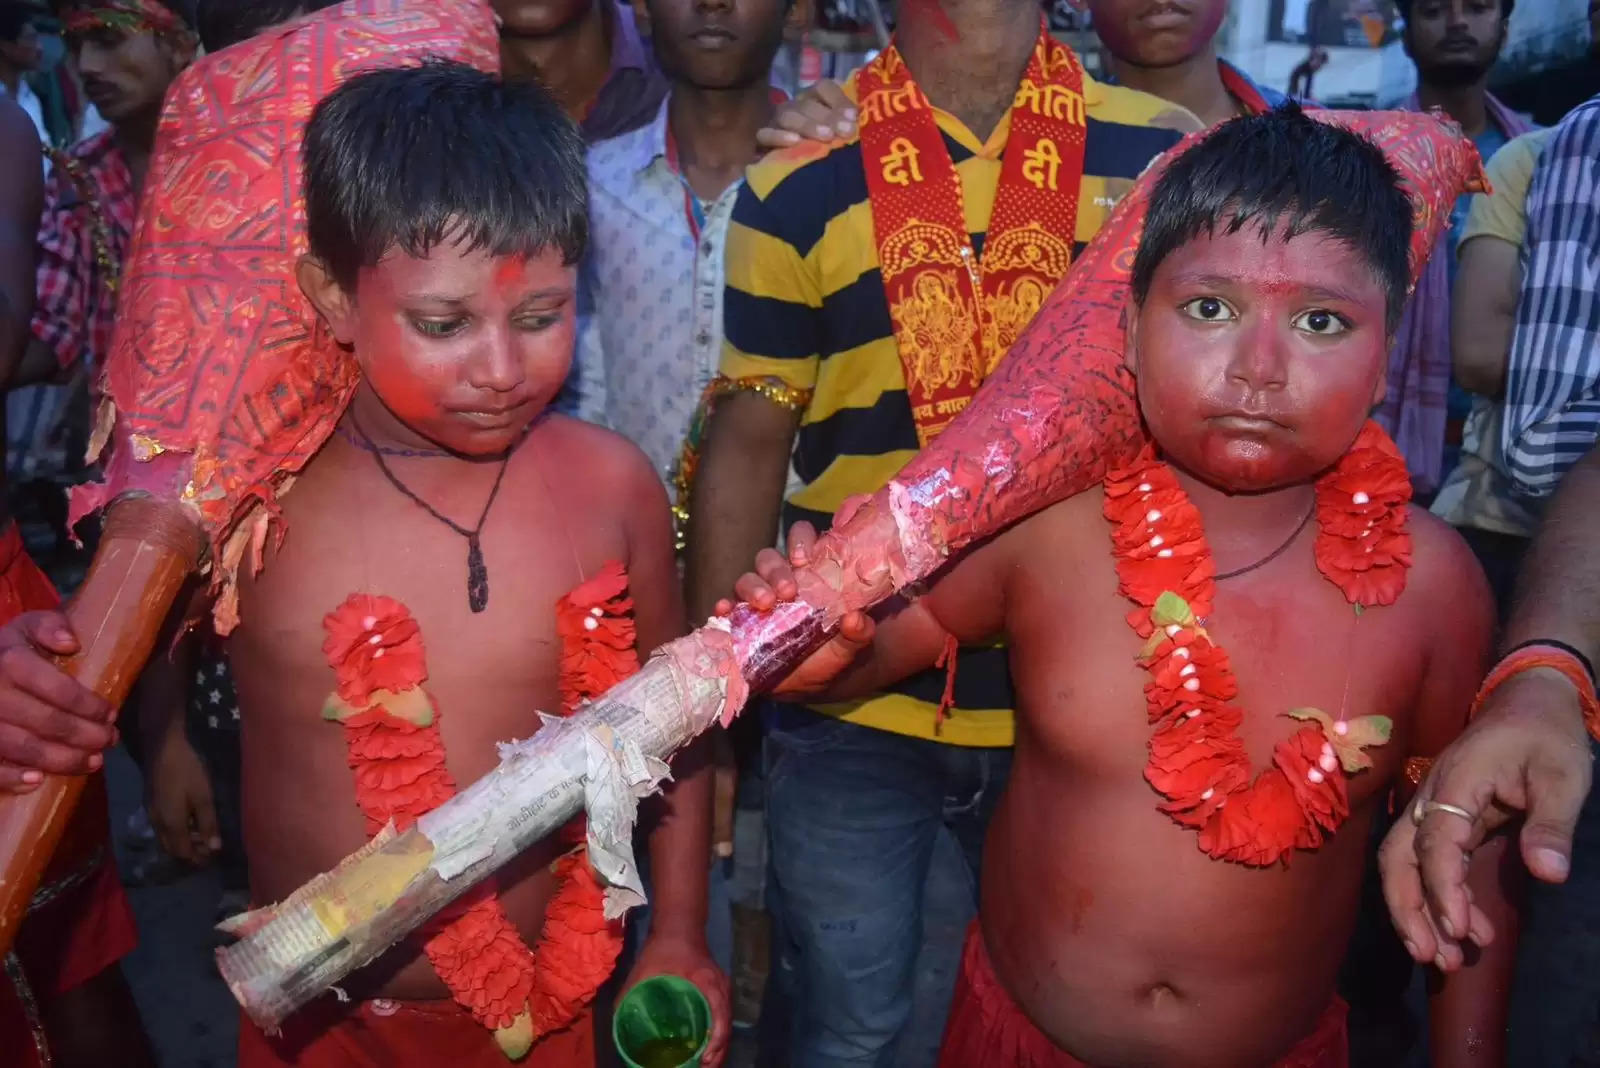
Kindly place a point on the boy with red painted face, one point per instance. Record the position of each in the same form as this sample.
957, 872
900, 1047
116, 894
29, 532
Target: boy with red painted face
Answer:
418, 609
1273, 632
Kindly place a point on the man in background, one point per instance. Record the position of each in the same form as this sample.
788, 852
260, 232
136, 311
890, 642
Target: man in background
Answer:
1454, 44
20, 56
589, 53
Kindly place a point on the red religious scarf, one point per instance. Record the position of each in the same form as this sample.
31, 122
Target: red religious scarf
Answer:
954, 317
397, 754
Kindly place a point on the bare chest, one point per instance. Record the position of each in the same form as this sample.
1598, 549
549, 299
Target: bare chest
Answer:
1291, 640
348, 532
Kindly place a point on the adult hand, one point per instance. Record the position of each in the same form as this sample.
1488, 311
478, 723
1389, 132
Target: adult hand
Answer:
773, 583
1526, 752
689, 958
180, 802
49, 722
821, 113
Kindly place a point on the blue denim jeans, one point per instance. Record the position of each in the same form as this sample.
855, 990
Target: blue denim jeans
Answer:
852, 817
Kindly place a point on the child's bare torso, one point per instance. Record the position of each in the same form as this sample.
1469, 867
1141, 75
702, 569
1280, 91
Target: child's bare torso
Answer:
350, 531
1118, 937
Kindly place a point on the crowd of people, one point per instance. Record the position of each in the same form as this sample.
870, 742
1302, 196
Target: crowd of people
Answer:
635, 327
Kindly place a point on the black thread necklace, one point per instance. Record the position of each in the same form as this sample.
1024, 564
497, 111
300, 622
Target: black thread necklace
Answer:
477, 570
365, 445
1274, 554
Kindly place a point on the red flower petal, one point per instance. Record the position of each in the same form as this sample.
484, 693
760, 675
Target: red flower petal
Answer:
373, 644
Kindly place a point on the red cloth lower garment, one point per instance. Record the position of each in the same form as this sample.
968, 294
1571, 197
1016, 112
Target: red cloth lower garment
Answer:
390, 1034
986, 1029
80, 922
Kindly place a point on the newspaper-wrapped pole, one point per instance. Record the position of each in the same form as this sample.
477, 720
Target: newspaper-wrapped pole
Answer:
1049, 423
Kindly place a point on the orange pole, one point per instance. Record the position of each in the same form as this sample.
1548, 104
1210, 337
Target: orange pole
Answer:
147, 550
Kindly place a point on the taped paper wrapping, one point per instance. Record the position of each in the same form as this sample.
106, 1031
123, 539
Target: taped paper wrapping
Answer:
603, 760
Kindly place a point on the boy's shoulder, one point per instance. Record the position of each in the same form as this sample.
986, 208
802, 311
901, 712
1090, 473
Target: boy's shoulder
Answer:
591, 461
1441, 560
1446, 590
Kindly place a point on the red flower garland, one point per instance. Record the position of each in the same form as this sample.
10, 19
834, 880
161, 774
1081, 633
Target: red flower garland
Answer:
395, 749
1197, 761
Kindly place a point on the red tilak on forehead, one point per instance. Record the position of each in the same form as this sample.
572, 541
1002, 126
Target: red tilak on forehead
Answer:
508, 272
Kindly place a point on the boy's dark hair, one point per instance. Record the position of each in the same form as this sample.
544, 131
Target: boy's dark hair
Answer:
1283, 167
222, 23
1404, 7
418, 156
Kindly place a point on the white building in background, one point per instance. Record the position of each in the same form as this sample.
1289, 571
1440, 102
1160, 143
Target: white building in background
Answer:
1269, 38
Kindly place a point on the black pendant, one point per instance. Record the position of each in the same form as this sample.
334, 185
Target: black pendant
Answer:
477, 576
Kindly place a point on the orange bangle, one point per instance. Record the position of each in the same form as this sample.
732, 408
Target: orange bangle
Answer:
1528, 657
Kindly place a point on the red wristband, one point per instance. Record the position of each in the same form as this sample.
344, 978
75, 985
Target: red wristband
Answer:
1533, 655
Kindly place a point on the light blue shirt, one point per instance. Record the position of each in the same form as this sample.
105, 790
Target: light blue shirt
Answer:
650, 295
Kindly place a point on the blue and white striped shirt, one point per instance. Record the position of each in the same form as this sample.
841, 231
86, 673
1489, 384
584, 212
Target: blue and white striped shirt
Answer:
1552, 400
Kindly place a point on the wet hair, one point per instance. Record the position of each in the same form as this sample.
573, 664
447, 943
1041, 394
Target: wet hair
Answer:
1283, 167
1404, 8
222, 23
414, 157
15, 17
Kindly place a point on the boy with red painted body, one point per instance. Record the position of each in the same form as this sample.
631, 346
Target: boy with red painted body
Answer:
1271, 273
409, 621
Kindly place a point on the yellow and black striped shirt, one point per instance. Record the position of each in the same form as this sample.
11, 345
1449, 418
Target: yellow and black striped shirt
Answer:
805, 303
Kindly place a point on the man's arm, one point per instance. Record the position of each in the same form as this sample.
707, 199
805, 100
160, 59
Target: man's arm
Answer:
1553, 384
1483, 313
1526, 751
737, 494
772, 309
1468, 1008
21, 199
1483, 306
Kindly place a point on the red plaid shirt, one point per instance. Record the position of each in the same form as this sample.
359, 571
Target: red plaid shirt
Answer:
76, 304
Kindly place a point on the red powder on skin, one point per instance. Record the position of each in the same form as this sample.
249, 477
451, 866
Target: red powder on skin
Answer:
930, 10
1123, 33
508, 273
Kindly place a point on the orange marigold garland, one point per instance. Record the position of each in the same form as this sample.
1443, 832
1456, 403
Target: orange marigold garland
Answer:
397, 754
1197, 760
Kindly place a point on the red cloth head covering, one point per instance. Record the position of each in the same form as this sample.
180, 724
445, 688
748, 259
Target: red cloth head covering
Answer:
129, 16
1059, 411
220, 384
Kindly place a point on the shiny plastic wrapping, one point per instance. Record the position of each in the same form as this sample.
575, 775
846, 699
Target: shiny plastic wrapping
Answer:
1051, 421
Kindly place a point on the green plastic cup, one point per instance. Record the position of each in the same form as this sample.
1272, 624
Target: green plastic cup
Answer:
664, 1022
